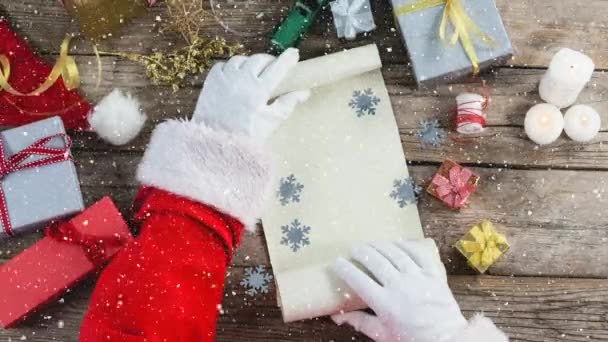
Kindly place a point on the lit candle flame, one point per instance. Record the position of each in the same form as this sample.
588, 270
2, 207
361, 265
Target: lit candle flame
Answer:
544, 119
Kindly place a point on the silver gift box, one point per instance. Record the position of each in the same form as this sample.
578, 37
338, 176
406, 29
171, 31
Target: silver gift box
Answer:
36, 196
352, 17
435, 61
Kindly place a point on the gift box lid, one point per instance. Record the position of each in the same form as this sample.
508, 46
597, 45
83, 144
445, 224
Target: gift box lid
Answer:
54, 264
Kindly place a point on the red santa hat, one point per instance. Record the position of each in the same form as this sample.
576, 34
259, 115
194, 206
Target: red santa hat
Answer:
117, 118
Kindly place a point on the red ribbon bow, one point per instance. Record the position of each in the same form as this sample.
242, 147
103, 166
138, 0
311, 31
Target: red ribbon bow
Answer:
95, 247
18, 162
455, 190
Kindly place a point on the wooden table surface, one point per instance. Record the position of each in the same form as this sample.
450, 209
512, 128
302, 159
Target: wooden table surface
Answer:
551, 286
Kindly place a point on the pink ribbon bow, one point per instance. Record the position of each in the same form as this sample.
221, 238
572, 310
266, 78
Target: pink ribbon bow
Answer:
455, 190
18, 162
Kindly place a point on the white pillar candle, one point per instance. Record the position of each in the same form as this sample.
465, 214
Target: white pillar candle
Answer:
566, 77
470, 118
582, 123
544, 123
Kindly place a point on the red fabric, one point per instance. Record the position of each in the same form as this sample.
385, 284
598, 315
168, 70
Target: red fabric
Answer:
60, 260
167, 285
28, 72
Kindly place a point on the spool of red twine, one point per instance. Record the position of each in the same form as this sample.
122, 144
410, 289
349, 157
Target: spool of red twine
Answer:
470, 113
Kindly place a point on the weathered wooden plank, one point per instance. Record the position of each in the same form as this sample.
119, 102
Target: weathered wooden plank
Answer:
513, 92
557, 24
554, 219
528, 309
504, 143
509, 146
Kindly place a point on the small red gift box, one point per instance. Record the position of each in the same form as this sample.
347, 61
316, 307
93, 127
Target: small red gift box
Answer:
69, 252
453, 184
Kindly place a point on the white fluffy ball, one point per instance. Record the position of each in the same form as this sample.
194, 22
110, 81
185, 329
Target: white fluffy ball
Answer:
117, 118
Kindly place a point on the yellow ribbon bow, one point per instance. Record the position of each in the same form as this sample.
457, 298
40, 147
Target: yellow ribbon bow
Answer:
485, 247
464, 26
65, 67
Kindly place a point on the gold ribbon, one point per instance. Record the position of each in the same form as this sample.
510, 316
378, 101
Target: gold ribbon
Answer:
65, 67
464, 26
485, 248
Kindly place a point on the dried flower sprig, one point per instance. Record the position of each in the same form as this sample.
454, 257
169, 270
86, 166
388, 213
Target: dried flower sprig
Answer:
172, 69
185, 17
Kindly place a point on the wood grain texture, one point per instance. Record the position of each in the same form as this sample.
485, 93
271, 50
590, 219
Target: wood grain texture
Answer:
546, 215
549, 201
557, 23
504, 143
528, 309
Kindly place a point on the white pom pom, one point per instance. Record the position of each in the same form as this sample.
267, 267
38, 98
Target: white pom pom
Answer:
117, 118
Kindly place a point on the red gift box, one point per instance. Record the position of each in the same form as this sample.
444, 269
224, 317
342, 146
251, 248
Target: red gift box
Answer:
68, 253
453, 184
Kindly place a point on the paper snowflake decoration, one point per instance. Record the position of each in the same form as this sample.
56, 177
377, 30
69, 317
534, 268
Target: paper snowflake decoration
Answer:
295, 235
405, 192
364, 102
256, 280
289, 190
430, 134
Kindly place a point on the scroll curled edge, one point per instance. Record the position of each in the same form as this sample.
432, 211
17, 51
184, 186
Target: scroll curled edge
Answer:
324, 70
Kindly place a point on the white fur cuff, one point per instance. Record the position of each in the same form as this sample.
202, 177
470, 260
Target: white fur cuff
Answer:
481, 329
223, 170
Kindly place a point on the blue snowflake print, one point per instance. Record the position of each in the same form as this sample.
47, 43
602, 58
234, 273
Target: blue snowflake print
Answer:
256, 280
430, 133
405, 192
295, 235
364, 102
289, 190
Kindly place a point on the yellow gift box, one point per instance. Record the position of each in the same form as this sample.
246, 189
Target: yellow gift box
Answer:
482, 246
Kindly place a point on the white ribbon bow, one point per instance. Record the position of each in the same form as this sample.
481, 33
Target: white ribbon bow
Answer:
352, 17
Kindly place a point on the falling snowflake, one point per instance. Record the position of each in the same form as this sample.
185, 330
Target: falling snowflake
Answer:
289, 190
405, 191
430, 133
256, 280
364, 102
295, 235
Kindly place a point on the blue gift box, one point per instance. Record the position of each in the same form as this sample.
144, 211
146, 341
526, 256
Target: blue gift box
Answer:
435, 61
36, 196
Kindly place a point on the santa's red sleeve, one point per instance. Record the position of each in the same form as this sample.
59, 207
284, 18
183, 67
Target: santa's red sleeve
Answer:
201, 188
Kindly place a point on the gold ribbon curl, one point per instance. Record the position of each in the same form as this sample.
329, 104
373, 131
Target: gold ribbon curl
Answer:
464, 26
65, 67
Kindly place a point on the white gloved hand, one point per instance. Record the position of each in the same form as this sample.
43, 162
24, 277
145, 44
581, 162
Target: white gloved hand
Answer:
410, 293
235, 95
